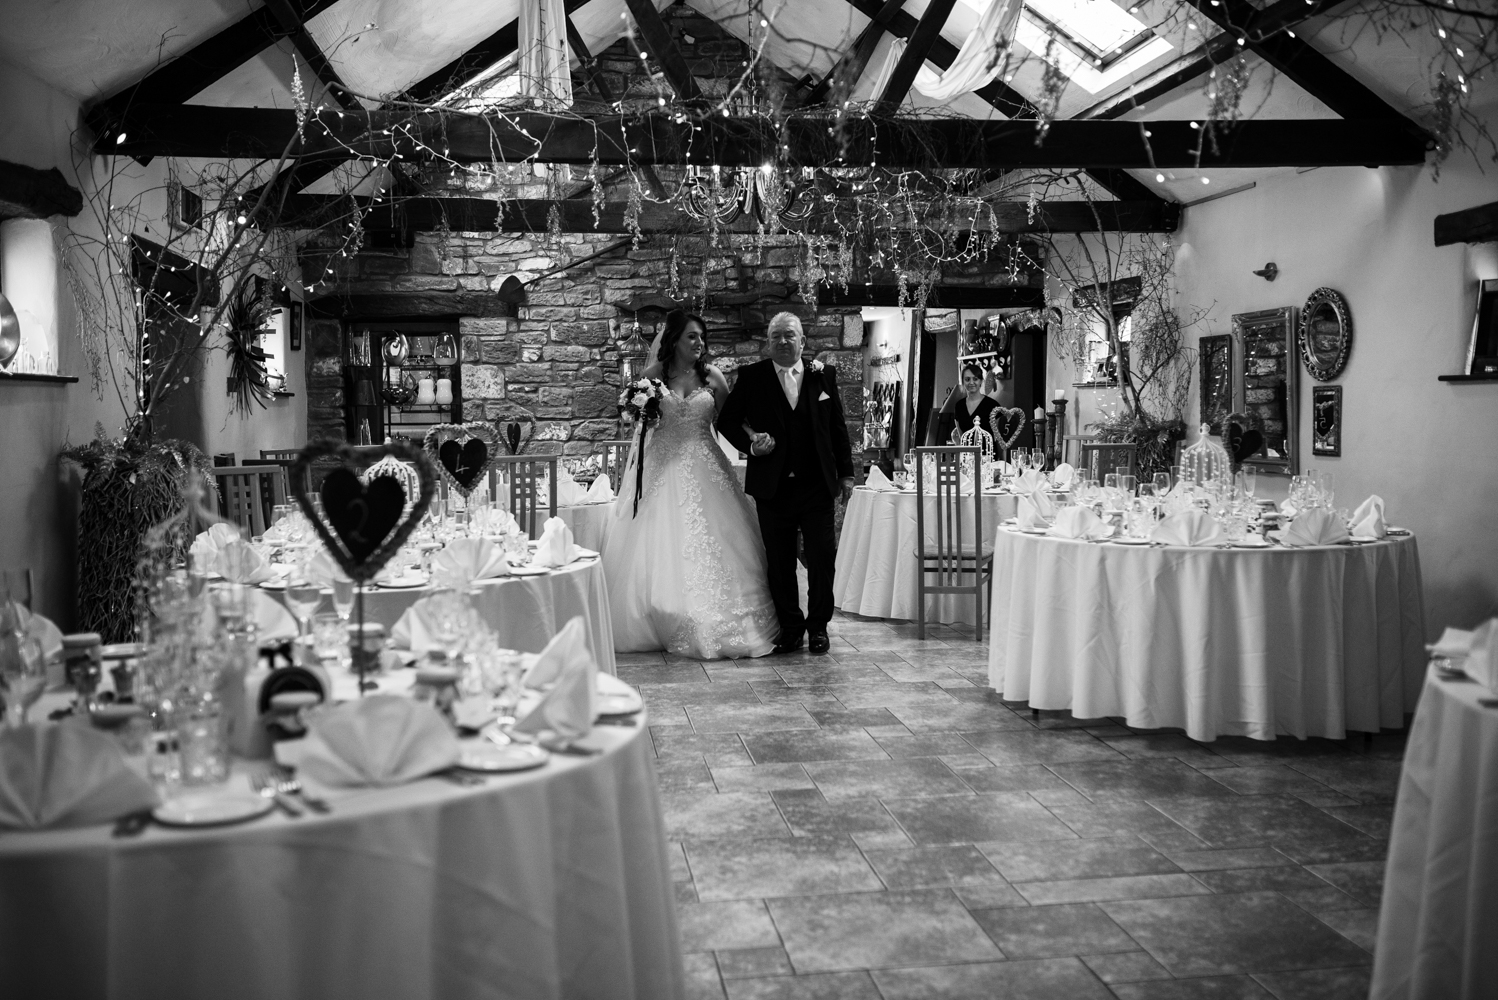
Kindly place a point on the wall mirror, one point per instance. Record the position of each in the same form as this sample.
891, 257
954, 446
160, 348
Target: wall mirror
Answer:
1216, 357
1264, 385
1325, 334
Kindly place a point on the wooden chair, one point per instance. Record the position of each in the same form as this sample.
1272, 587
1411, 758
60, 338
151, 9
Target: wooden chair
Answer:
522, 478
1102, 457
954, 549
287, 455
615, 458
248, 493
225, 460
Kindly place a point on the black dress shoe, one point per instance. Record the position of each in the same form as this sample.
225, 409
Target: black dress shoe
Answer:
820, 643
788, 644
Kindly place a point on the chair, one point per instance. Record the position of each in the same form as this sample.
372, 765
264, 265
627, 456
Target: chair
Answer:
248, 493
955, 549
224, 460
1102, 457
526, 476
615, 458
285, 464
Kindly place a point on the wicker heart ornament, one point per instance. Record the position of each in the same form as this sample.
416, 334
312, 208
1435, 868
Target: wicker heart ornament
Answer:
1007, 425
363, 524
463, 452
1243, 444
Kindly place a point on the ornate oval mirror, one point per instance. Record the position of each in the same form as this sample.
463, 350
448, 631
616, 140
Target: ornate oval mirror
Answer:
1325, 334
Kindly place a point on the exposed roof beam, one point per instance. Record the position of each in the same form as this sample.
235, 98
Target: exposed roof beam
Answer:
190, 130
205, 63
1308, 69
500, 45
941, 296
1470, 225
292, 23
531, 215
601, 84
850, 66
656, 38
927, 31
29, 193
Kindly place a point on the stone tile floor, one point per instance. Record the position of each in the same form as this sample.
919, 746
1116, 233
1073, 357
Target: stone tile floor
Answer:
876, 823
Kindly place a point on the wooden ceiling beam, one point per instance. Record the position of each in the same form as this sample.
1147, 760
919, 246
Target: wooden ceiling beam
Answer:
1470, 225
917, 48
293, 25
657, 40
601, 84
850, 66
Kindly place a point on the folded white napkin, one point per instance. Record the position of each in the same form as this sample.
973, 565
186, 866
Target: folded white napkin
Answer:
568, 708
65, 774
569, 491
1079, 522
1368, 519
1005, 468
1317, 526
600, 492
272, 621
322, 569
380, 739
274, 535
464, 561
412, 630
1035, 510
1188, 527
1454, 642
206, 546
1063, 475
1288, 509
877, 480
555, 547
1482, 660
1030, 480
240, 562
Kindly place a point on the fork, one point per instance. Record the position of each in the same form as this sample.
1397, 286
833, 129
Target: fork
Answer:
267, 787
289, 784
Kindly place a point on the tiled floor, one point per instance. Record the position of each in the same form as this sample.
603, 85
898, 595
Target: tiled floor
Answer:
877, 824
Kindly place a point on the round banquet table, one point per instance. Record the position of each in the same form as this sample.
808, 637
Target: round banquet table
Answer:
1439, 919
876, 555
1244, 642
589, 523
548, 883
524, 611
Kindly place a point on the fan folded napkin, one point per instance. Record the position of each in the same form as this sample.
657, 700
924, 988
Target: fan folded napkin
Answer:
1063, 475
568, 708
322, 569
1079, 522
1368, 519
570, 493
1317, 526
555, 547
273, 535
1035, 511
272, 621
1188, 527
1453, 643
241, 562
1482, 659
465, 561
381, 739
600, 492
65, 774
877, 480
413, 631
1030, 480
206, 546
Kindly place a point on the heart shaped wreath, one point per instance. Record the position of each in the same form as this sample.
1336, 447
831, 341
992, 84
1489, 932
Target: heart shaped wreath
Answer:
462, 452
1007, 424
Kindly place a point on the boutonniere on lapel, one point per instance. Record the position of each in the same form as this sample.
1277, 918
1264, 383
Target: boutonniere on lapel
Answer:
814, 366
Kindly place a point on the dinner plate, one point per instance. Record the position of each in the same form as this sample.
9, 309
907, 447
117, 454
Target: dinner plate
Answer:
1128, 541
1036, 531
483, 755
614, 697
122, 650
1244, 543
403, 582
212, 807
274, 585
529, 571
1397, 531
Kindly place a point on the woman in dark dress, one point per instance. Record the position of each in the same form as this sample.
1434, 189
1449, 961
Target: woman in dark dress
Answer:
970, 408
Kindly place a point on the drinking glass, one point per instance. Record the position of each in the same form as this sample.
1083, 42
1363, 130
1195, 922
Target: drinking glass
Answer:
343, 596
1326, 483
1162, 483
1126, 483
16, 584
1110, 483
1147, 491
329, 636
1250, 479
302, 599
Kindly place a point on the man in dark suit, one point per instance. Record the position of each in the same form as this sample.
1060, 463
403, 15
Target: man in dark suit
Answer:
787, 415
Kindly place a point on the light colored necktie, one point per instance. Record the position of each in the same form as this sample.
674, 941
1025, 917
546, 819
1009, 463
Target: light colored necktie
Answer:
792, 391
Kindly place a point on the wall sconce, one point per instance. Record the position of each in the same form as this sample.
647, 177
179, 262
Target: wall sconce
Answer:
1269, 271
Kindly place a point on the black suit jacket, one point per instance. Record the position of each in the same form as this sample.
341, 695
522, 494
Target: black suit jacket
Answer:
759, 400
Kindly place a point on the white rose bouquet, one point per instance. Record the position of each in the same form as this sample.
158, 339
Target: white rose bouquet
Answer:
640, 403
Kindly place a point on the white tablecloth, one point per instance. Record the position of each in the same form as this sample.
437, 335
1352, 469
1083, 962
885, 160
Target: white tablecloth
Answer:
876, 555
1438, 928
589, 523
550, 883
524, 611
1306, 642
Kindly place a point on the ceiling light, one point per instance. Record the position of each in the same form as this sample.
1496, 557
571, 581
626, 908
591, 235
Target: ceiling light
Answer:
1159, 178
120, 138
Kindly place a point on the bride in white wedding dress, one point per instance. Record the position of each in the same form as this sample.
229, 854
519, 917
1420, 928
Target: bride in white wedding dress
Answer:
686, 570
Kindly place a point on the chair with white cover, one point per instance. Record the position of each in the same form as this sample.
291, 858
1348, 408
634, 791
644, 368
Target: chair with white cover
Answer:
528, 485
952, 556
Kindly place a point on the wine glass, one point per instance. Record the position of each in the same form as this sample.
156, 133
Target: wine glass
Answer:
1162, 483
302, 599
1126, 484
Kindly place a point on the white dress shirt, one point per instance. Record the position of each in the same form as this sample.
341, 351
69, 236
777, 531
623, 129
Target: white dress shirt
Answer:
790, 381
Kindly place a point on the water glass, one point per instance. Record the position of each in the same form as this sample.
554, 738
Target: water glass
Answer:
343, 596
302, 599
1126, 483
1250, 479
329, 637
1162, 483
203, 745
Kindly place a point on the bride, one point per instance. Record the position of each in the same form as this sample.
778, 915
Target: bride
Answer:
686, 570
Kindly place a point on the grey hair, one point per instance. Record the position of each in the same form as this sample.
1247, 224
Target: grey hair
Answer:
784, 319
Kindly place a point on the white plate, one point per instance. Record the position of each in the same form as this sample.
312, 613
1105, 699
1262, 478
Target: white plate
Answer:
1397, 531
1258, 543
482, 755
273, 585
616, 697
1036, 531
529, 571
1362, 541
123, 651
212, 807
403, 582
1128, 541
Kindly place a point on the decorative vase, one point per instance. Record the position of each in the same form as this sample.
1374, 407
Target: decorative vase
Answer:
444, 391
426, 391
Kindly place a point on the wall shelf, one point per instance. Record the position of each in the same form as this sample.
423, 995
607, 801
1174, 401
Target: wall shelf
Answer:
36, 377
1467, 378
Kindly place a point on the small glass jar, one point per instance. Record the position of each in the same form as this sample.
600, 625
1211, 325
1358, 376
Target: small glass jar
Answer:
365, 644
83, 662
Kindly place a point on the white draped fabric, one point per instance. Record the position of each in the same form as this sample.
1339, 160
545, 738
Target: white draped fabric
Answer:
981, 59
1304, 642
1439, 922
545, 76
524, 611
589, 523
876, 555
546, 884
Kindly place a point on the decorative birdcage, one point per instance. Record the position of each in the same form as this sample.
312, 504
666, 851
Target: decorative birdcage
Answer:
1205, 460
402, 472
977, 437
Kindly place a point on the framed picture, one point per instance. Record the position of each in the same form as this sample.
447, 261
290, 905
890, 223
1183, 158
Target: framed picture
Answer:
1326, 420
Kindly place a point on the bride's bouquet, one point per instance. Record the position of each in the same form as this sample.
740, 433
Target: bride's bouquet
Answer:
640, 402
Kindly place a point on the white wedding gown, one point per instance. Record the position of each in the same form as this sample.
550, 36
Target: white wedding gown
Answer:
687, 572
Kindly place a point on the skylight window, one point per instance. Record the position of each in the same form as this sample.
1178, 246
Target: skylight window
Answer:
1100, 27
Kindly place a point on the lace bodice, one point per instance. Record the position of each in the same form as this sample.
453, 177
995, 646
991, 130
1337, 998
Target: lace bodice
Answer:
685, 420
